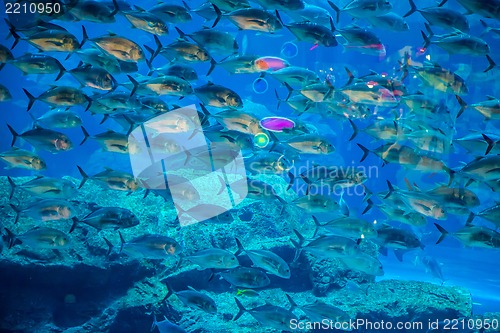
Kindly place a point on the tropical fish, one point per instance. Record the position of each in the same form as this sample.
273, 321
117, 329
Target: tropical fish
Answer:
112, 179
59, 119
61, 96
49, 40
420, 202
160, 86
363, 8
165, 326
46, 210
246, 277
473, 236
147, 21
150, 246
364, 263
194, 299
44, 139
319, 311
108, 218
390, 21
94, 11
20, 158
441, 16
331, 246
172, 13
268, 315
46, 187
311, 32
491, 214
121, 48
97, 78
213, 40
40, 238
347, 227
250, 19
218, 96
38, 64
267, 260
214, 258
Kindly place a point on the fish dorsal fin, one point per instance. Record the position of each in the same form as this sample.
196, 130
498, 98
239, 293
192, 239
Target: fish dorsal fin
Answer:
108, 168
408, 185
111, 33
192, 289
490, 98
419, 93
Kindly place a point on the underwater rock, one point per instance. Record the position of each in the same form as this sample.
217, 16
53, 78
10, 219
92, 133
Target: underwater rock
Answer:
83, 289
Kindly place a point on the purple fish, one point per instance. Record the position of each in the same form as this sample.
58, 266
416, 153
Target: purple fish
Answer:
276, 124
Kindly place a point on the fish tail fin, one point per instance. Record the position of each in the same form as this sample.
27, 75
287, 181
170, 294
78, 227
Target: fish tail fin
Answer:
219, 15
317, 224
240, 247
283, 204
365, 150
110, 246
159, 46
336, 9
441, 4
122, 241
179, 209
278, 16
278, 99
297, 245
169, 292
451, 172
470, 218
16, 37
86, 135
355, 129
62, 70
115, 10
89, 104
369, 205
293, 305
12, 187
14, 135
213, 63
18, 212
84, 175
31, 98
181, 33
223, 185
487, 28
350, 75
290, 91
292, 180
427, 41
154, 322
74, 224
85, 37
241, 308
463, 105
443, 232
11, 237
491, 65
413, 9
391, 189
135, 83
490, 142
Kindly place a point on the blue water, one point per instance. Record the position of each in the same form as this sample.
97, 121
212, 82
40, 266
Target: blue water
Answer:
475, 269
